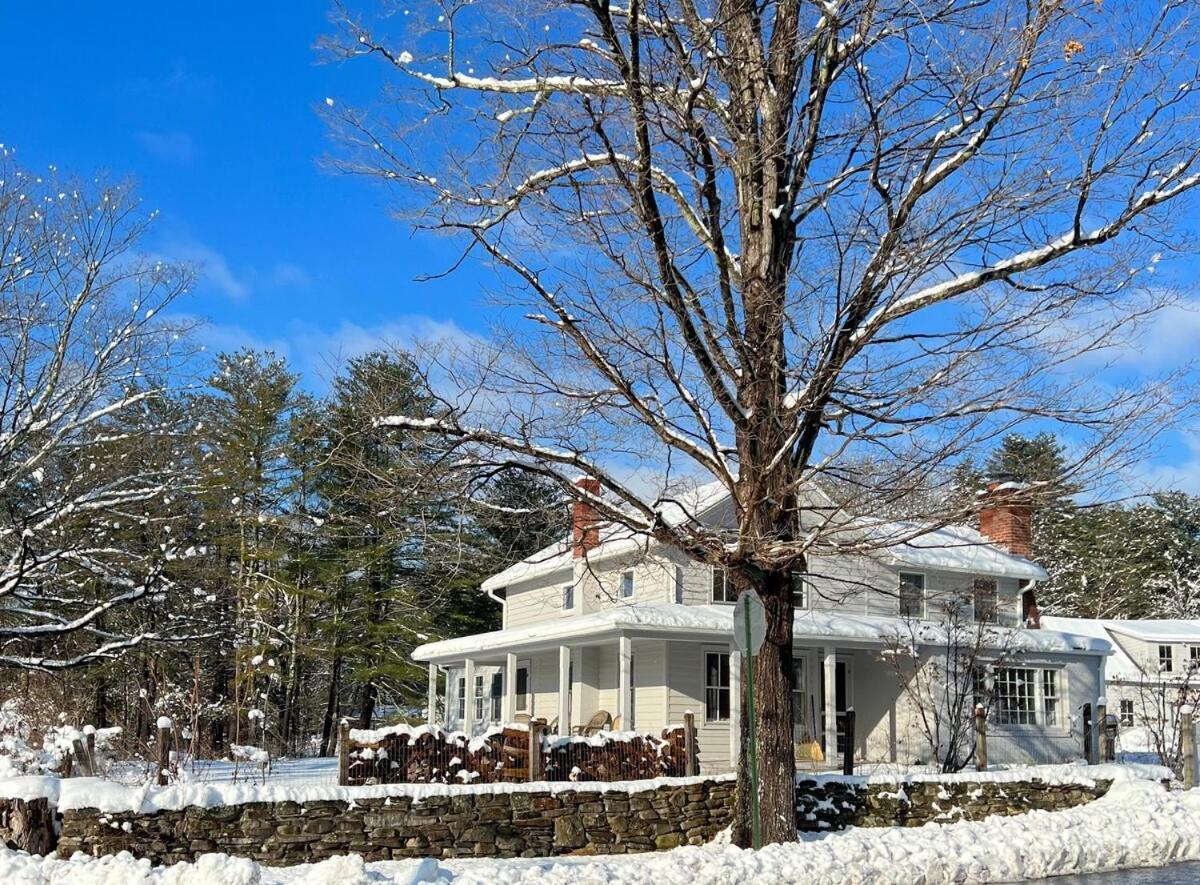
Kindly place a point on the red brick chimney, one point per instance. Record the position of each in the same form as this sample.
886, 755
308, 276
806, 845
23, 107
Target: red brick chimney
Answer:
1006, 518
585, 521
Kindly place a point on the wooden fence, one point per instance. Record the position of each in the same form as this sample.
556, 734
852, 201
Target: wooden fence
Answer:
429, 755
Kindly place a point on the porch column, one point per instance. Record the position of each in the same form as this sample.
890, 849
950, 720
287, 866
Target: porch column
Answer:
735, 706
431, 716
564, 689
510, 688
468, 723
624, 656
830, 704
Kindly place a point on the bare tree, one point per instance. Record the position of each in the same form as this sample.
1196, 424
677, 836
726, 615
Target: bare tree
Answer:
86, 453
941, 668
759, 242
1157, 699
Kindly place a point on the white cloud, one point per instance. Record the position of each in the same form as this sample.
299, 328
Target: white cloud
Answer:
210, 264
174, 147
319, 352
1181, 472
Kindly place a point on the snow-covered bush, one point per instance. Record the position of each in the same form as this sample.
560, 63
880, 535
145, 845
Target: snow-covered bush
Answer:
21, 751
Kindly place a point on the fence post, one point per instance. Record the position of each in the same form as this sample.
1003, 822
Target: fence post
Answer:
848, 749
89, 736
81, 756
164, 749
343, 751
536, 727
981, 760
689, 744
1187, 733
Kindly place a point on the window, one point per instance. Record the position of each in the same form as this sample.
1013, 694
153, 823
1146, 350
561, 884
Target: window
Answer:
522, 701
1016, 703
679, 585
480, 700
626, 584
1025, 696
801, 730
912, 595
985, 600
722, 589
462, 698
1194, 656
799, 591
1166, 659
1050, 697
980, 695
1127, 720
568, 597
716, 687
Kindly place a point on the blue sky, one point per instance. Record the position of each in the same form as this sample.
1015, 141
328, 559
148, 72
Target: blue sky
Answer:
212, 107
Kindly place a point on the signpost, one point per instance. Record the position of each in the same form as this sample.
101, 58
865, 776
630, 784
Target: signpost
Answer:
749, 633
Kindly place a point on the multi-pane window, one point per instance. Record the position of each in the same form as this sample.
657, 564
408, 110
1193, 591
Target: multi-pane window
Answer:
799, 591
462, 698
679, 585
722, 587
912, 595
1127, 719
1024, 696
1050, 697
626, 583
1166, 659
568, 597
801, 729
1194, 656
716, 686
980, 694
985, 600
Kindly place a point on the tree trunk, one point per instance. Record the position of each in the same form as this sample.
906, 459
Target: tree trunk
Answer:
331, 705
773, 677
367, 712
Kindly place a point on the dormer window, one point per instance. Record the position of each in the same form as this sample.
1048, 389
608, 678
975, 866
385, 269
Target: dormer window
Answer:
912, 595
984, 598
627, 584
568, 597
1166, 659
722, 587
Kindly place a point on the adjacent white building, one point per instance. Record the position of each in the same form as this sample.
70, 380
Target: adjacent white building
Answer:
1153, 670
609, 621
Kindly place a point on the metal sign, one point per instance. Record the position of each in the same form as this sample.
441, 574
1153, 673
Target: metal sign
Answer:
749, 623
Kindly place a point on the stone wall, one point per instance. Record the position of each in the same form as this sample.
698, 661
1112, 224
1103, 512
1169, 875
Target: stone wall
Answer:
832, 804
529, 823
516, 824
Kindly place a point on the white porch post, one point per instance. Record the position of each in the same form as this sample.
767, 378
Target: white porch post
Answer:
431, 716
564, 689
624, 656
509, 707
735, 706
468, 723
830, 704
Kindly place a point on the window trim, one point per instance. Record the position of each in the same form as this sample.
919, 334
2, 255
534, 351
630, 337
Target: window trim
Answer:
568, 597
1168, 659
1126, 717
728, 688
806, 591
924, 594
632, 584
1038, 700
725, 586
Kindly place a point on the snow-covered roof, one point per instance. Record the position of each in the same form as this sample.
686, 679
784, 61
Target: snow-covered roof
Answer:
950, 548
1120, 665
668, 619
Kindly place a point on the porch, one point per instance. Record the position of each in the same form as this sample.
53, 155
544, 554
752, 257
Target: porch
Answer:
645, 666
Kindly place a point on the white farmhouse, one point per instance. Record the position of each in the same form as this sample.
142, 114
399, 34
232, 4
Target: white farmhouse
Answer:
1153, 671
609, 622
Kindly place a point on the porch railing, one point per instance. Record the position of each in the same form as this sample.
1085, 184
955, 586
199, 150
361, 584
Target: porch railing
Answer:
430, 755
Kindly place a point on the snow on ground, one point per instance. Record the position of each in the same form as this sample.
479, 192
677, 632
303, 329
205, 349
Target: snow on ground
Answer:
1137, 824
